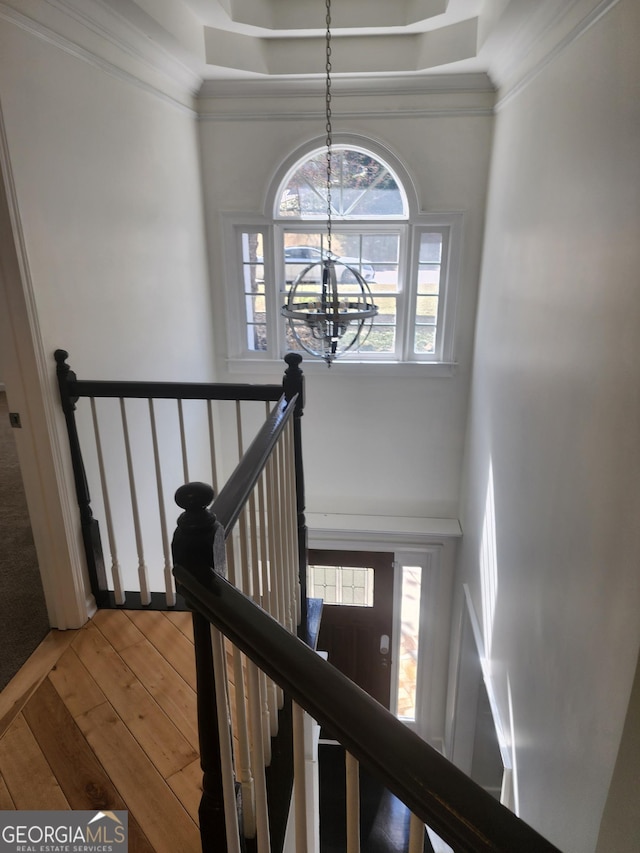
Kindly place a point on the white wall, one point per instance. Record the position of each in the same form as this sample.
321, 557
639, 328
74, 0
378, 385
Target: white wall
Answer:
554, 419
396, 442
104, 185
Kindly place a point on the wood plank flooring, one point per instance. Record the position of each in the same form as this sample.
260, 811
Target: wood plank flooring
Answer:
105, 718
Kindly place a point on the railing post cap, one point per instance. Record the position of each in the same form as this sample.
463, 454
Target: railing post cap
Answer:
293, 359
194, 496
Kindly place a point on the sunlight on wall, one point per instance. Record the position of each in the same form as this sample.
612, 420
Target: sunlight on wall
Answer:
488, 565
514, 794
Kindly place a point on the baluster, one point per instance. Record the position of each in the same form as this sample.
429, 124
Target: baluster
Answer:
292, 517
275, 529
166, 550
241, 728
271, 691
239, 429
275, 585
290, 525
257, 755
299, 779
145, 596
286, 567
244, 554
89, 525
183, 442
212, 446
259, 598
226, 745
244, 765
198, 546
353, 804
115, 565
416, 835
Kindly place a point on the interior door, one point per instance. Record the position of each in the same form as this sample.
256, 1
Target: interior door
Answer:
357, 617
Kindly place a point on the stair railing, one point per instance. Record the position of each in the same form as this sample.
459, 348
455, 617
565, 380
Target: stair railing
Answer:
245, 725
127, 441
439, 795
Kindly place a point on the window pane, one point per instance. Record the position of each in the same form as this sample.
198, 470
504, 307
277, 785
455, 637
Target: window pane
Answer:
361, 185
409, 641
427, 309
425, 340
429, 278
430, 247
341, 585
252, 250
256, 337
381, 339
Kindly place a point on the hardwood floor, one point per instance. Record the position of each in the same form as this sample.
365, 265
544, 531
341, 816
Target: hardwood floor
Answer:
105, 718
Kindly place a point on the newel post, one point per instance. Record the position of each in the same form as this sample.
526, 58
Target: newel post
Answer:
198, 546
89, 525
292, 384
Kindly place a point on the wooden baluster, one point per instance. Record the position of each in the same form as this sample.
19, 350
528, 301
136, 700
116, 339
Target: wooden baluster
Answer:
89, 525
257, 756
115, 565
170, 595
271, 691
274, 593
353, 803
290, 515
145, 595
198, 546
241, 728
293, 383
226, 741
416, 835
289, 557
212, 446
299, 780
183, 442
259, 596
244, 767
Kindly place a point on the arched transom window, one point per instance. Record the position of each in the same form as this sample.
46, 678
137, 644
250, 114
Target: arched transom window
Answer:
362, 187
407, 258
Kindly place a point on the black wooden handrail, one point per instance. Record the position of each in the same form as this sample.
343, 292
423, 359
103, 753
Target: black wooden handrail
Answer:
455, 807
174, 390
233, 496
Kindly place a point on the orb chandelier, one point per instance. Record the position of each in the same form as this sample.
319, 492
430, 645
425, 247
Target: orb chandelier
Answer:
326, 317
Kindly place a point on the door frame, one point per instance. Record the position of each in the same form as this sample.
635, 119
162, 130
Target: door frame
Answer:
436, 555
29, 380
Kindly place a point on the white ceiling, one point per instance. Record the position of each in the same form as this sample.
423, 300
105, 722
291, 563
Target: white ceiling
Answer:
281, 39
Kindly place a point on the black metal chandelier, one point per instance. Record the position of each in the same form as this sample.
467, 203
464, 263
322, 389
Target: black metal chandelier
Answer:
326, 317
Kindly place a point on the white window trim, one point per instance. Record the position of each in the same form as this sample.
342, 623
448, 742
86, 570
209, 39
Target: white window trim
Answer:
403, 363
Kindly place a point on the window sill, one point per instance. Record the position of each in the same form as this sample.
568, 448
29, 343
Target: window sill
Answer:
311, 366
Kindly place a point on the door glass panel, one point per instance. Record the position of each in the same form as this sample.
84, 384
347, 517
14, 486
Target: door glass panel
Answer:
347, 585
409, 640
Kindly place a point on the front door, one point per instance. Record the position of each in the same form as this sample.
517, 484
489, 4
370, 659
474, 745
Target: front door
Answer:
357, 617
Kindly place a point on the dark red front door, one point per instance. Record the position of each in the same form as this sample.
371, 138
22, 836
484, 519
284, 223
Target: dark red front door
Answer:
358, 637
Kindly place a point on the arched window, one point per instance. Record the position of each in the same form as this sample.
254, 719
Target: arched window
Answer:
407, 258
362, 187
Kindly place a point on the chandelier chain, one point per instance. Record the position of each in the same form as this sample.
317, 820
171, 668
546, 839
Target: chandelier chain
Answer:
329, 140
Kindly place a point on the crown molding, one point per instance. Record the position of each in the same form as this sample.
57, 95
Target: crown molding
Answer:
510, 90
345, 86
309, 115
182, 98
434, 96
